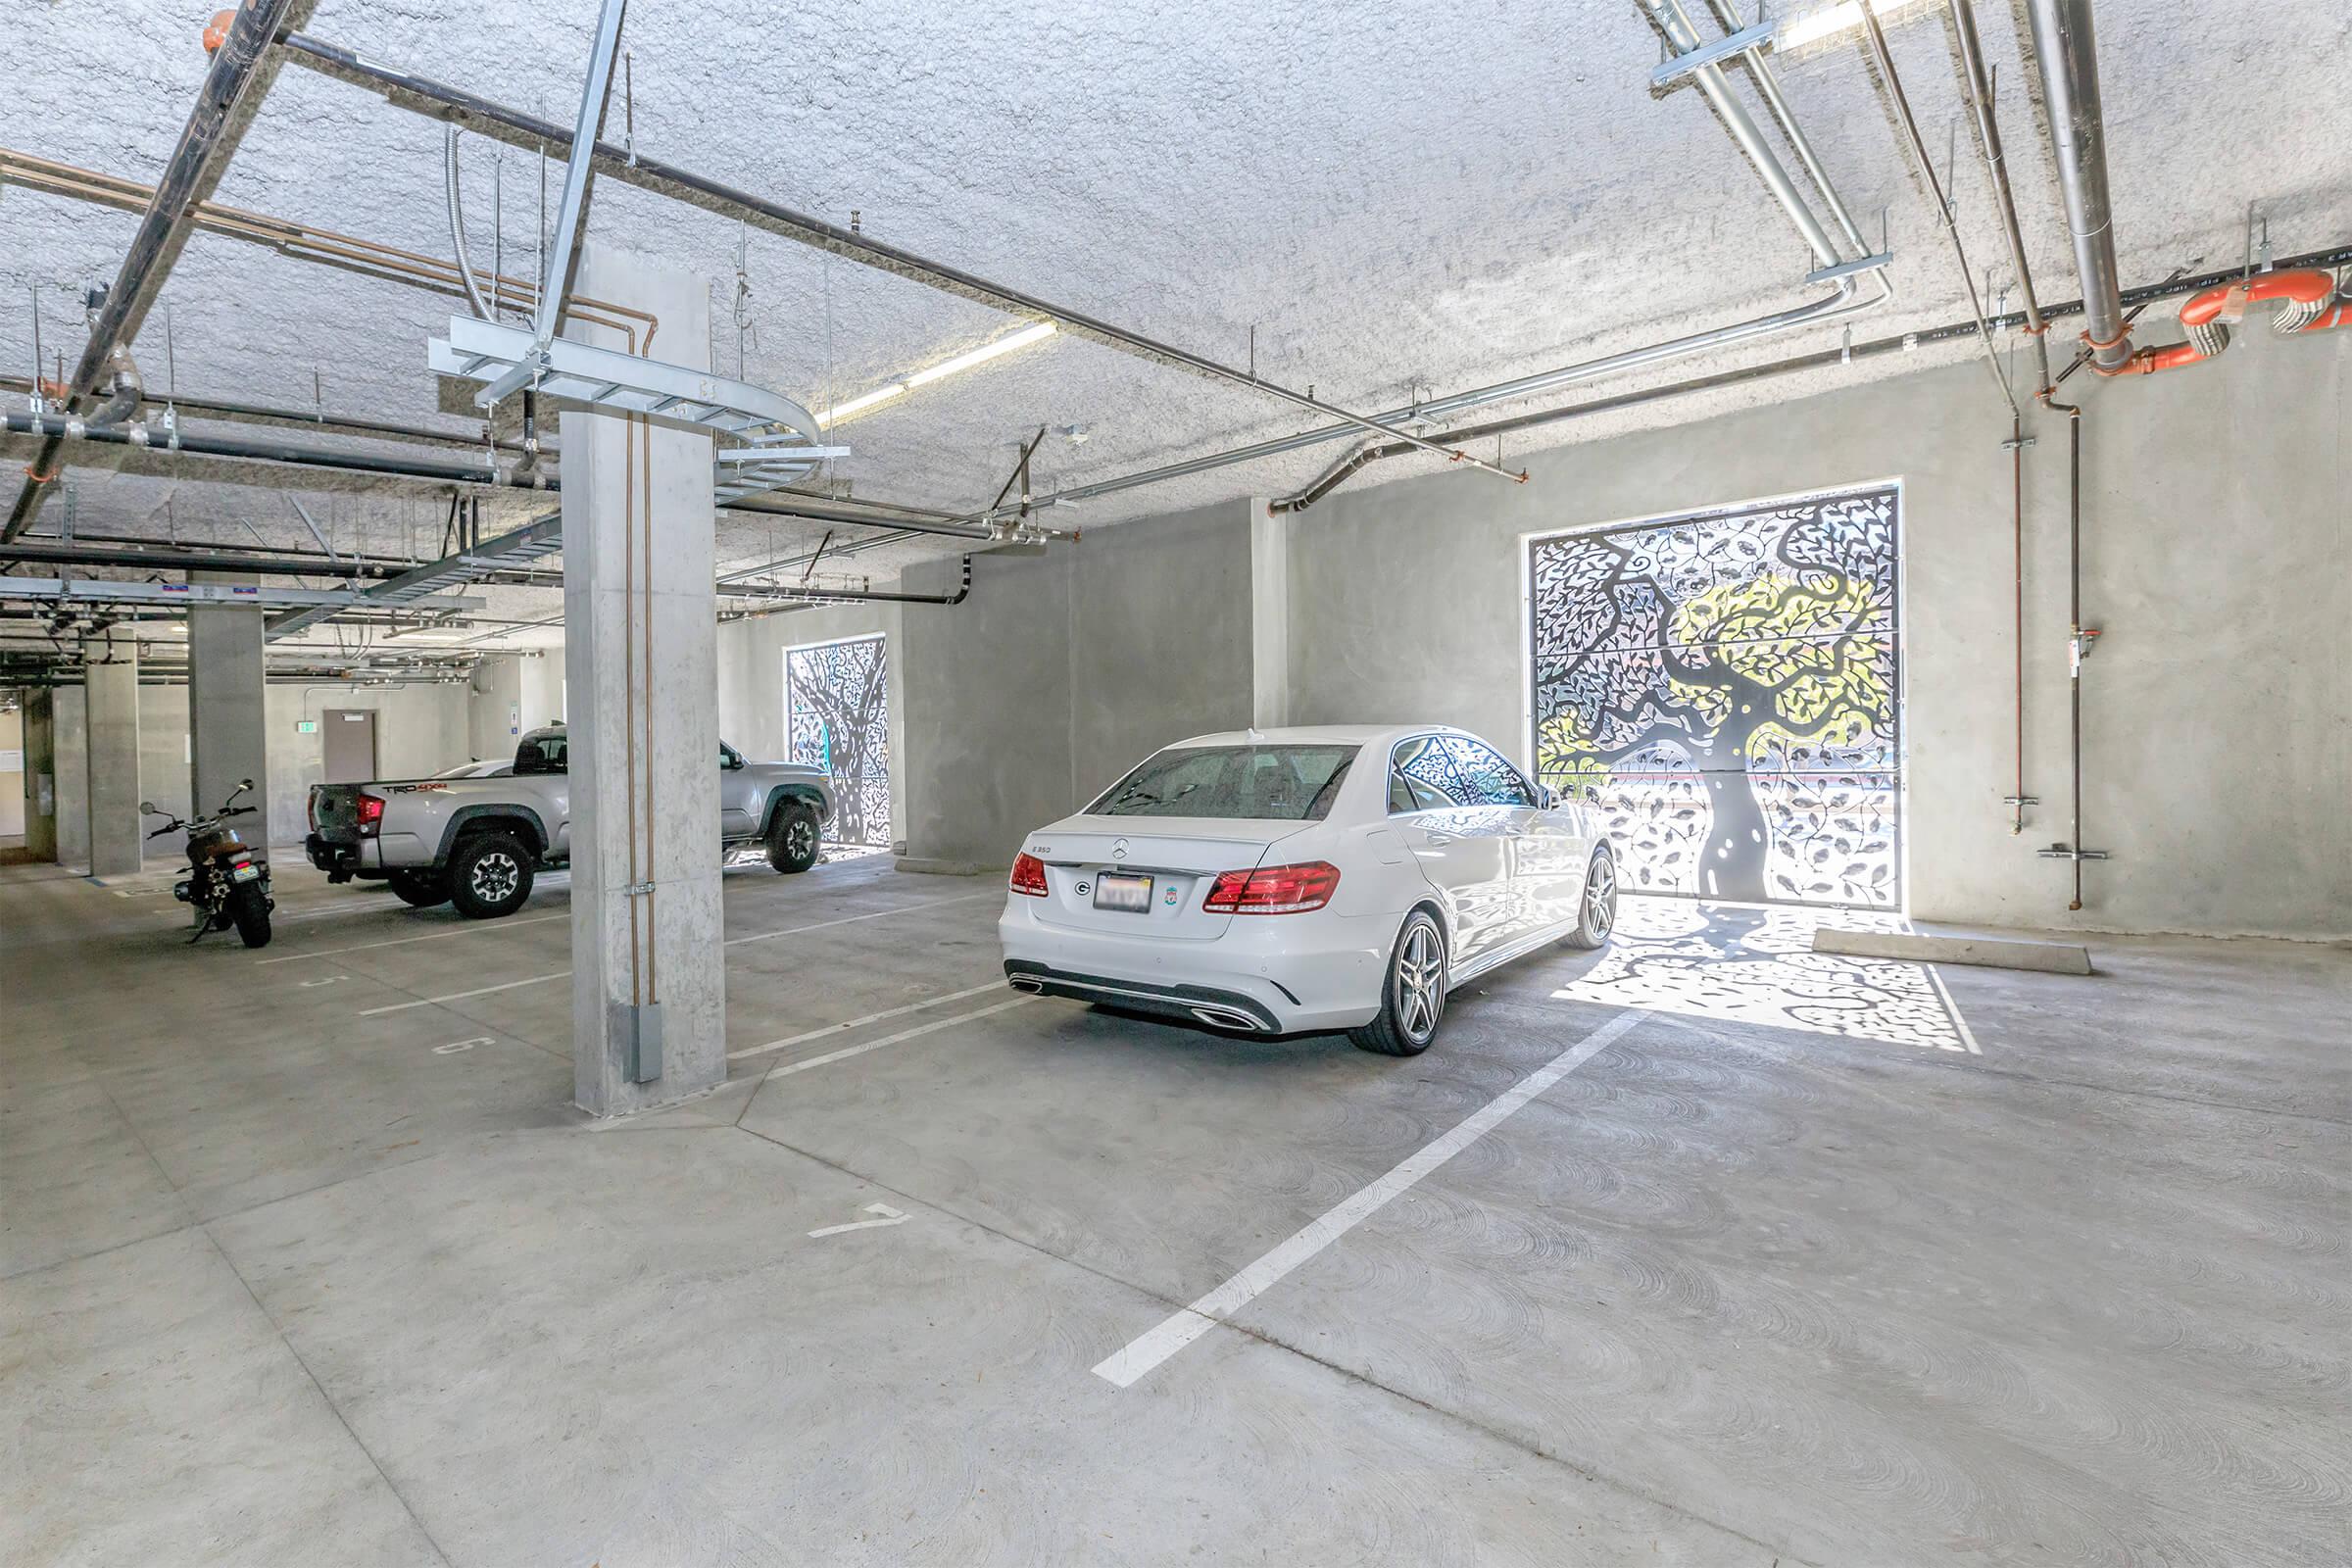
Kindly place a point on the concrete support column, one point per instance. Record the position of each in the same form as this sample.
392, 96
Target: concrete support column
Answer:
69, 745
40, 773
228, 730
110, 686
649, 982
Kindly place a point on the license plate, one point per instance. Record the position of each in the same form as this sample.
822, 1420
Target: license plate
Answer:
1132, 894
244, 873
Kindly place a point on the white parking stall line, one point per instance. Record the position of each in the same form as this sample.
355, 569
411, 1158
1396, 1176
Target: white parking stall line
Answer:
469, 928
1968, 1036
1181, 1328
862, 1048
460, 996
860, 1023
762, 936
853, 919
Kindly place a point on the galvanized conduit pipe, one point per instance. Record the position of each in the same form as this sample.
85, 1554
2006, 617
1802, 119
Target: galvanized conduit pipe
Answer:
1977, 83
2066, 48
457, 223
1943, 205
636, 168
1821, 359
213, 128
1676, 24
820, 596
60, 429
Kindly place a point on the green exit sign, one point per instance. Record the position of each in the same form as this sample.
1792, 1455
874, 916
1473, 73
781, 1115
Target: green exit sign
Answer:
305, 726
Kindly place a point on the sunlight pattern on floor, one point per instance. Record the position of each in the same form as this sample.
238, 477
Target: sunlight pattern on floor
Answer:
1753, 963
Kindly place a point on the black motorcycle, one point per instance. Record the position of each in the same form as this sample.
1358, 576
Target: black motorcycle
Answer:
229, 880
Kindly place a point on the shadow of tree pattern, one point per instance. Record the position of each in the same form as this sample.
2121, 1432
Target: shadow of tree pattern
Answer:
1725, 685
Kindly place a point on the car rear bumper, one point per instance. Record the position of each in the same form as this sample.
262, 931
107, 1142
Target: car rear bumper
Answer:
1268, 974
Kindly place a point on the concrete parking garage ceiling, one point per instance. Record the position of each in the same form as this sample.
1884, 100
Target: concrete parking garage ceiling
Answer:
1398, 202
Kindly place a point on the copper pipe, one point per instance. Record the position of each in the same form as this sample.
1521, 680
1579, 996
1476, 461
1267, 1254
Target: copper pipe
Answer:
2017, 536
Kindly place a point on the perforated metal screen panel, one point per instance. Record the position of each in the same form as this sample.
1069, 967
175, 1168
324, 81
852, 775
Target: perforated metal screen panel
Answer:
837, 717
1728, 686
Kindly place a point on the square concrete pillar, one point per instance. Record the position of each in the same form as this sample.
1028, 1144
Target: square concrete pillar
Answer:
69, 745
649, 980
109, 689
40, 773
228, 730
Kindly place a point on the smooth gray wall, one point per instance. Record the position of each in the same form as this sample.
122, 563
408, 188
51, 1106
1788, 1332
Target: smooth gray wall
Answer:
2218, 746
1062, 670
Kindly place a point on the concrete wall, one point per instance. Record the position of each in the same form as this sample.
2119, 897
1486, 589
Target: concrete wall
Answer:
419, 730
511, 695
2218, 561
1062, 670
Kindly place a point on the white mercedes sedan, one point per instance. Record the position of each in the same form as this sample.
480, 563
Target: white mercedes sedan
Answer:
1287, 880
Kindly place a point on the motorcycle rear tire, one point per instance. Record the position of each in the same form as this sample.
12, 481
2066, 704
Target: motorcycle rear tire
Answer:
249, 911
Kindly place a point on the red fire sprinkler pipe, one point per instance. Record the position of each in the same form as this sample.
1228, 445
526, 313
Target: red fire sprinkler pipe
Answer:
2305, 301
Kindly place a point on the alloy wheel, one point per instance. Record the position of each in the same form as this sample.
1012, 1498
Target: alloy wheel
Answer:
800, 836
493, 877
1600, 896
1420, 982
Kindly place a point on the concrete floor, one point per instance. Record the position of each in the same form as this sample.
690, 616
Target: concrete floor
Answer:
1818, 1262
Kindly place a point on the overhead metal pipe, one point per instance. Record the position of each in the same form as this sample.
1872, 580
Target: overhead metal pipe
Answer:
39, 552
223, 107
1943, 205
2066, 49
1977, 84
456, 202
822, 596
636, 168
1675, 22
60, 429
1903, 343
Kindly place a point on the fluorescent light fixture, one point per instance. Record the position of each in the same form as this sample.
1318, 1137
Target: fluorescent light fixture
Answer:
982, 355
1035, 331
826, 416
1828, 21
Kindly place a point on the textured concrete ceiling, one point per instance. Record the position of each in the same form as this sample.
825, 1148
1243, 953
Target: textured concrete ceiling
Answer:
1399, 201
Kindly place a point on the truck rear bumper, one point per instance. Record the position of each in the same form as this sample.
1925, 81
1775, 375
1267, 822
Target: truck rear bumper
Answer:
340, 861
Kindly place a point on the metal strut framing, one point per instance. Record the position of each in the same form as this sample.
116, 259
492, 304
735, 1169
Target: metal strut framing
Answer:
415, 589
635, 166
233, 90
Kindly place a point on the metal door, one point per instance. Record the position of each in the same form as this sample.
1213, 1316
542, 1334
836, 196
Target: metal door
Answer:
1724, 686
346, 745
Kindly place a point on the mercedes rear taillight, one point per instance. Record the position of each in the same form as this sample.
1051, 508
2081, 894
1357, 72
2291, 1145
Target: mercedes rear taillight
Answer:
1029, 876
1273, 889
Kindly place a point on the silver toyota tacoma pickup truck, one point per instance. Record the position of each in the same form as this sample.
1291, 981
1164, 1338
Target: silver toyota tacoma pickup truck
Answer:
477, 843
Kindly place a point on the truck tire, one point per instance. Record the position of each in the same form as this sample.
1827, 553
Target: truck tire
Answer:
792, 838
489, 875
249, 913
419, 890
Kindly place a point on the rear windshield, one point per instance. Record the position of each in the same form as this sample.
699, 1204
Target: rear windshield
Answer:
1262, 783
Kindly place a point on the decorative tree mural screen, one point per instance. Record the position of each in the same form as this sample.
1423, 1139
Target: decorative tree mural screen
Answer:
1726, 685
837, 717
